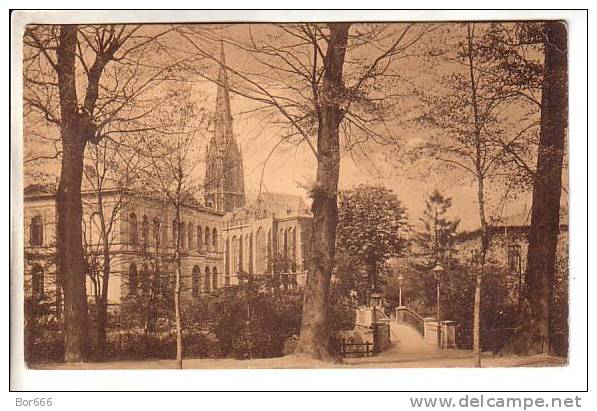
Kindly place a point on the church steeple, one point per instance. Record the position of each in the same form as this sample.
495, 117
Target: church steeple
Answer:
224, 176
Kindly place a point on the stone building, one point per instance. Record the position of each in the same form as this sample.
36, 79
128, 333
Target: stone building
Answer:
268, 237
142, 233
221, 236
508, 248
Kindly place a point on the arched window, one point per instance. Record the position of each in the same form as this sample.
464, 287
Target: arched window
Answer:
36, 231
133, 229
214, 278
285, 244
165, 230
191, 235
281, 242
235, 256
227, 267
207, 239
270, 250
260, 251
144, 281
207, 278
214, 239
183, 236
514, 258
247, 254
199, 239
196, 281
292, 248
37, 282
174, 233
145, 230
156, 231
133, 279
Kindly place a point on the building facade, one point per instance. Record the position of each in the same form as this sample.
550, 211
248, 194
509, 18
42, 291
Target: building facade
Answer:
220, 237
508, 250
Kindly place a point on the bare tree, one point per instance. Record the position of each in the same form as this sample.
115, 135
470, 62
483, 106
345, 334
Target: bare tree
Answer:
112, 172
112, 67
172, 156
330, 87
473, 135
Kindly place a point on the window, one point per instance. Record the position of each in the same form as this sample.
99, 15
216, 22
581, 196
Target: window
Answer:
133, 229
145, 230
37, 282
292, 248
207, 290
36, 231
247, 254
261, 251
214, 278
235, 255
191, 235
174, 233
144, 282
133, 279
156, 231
214, 239
207, 242
199, 239
514, 258
183, 236
195, 281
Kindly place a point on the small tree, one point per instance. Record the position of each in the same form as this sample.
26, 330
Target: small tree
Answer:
371, 229
434, 243
171, 152
437, 238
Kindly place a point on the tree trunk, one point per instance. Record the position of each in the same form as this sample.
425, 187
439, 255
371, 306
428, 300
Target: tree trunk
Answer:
480, 272
177, 292
71, 268
102, 313
533, 334
314, 335
480, 175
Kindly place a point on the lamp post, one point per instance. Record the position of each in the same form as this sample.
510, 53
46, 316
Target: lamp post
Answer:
400, 280
437, 272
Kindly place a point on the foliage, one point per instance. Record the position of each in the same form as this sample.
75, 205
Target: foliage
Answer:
44, 339
437, 238
372, 227
247, 321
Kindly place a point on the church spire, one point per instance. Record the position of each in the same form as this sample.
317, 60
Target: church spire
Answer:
224, 176
223, 115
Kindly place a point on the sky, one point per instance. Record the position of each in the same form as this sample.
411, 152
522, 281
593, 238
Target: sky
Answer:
291, 168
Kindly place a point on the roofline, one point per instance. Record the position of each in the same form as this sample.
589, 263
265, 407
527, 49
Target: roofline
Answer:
88, 193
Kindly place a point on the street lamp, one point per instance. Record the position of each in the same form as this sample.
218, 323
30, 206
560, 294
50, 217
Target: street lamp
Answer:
437, 272
400, 280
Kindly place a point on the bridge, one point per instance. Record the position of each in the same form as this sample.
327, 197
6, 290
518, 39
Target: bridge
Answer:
415, 339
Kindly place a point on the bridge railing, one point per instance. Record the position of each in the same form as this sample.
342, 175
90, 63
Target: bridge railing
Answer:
407, 316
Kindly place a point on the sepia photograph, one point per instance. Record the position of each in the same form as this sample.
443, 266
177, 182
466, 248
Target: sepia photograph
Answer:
293, 195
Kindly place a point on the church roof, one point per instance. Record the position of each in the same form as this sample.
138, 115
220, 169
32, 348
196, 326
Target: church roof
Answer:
292, 201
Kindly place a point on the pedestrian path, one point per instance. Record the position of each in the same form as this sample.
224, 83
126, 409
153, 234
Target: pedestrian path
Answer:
408, 341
